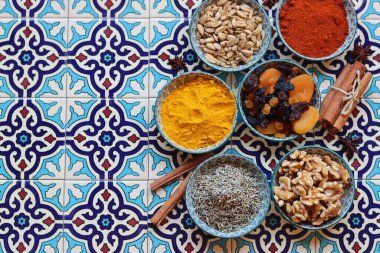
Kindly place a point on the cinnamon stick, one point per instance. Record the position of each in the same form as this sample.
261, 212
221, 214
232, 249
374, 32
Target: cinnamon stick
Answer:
337, 102
341, 120
166, 208
330, 95
171, 176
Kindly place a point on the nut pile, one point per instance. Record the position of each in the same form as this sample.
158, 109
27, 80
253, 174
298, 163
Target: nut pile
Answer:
229, 33
311, 187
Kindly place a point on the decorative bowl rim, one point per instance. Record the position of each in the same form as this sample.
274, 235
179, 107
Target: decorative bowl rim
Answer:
200, 150
203, 225
339, 51
307, 226
239, 67
267, 137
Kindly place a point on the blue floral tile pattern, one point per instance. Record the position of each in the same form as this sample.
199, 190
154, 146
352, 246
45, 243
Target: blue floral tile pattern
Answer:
109, 136
31, 216
79, 145
365, 123
33, 9
33, 58
268, 237
348, 235
108, 58
114, 220
32, 138
97, 9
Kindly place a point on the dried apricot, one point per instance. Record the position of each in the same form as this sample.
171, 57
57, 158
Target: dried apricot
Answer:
268, 80
271, 129
303, 89
307, 121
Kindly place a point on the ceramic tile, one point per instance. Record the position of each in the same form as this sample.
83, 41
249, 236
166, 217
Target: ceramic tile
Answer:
163, 158
33, 58
111, 8
108, 58
33, 9
109, 138
178, 232
356, 231
170, 38
172, 8
31, 216
78, 140
367, 9
275, 234
367, 34
105, 216
365, 123
32, 138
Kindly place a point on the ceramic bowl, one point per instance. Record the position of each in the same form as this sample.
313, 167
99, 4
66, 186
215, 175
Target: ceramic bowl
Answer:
174, 84
196, 46
347, 198
315, 101
352, 25
210, 164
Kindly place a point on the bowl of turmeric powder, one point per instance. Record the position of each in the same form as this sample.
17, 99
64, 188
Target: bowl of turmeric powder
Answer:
196, 112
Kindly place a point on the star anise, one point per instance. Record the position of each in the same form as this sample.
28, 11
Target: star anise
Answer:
350, 143
177, 63
361, 53
269, 3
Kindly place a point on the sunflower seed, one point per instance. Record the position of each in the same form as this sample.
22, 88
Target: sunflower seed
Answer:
229, 32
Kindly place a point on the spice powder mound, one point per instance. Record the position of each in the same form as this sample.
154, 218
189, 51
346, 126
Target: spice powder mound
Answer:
227, 197
314, 28
198, 114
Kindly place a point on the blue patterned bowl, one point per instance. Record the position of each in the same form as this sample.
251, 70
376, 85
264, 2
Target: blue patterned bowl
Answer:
267, 27
315, 101
210, 164
172, 85
352, 24
347, 199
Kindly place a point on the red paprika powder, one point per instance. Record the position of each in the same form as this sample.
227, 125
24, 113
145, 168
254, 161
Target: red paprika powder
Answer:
314, 28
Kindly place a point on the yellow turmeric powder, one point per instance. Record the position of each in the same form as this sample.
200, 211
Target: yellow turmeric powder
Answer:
198, 113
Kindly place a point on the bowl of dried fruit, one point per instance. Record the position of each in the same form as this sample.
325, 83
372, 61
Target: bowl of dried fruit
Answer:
230, 35
279, 100
313, 187
228, 196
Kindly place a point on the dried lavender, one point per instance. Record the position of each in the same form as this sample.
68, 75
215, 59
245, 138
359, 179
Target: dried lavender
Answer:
227, 197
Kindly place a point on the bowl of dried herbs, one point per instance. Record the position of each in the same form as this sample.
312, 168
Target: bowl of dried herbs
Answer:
228, 196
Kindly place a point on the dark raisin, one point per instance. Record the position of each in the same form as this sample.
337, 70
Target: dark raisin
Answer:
282, 96
268, 97
258, 105
251, 120
283, 112
297, 109
260, 92
285, 86
262, 120
251, 82
284, 68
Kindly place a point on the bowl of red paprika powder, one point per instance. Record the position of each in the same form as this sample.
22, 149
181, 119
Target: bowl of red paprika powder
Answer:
316, 30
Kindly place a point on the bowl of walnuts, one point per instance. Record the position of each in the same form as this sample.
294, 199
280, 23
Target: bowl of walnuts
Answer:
313, 187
